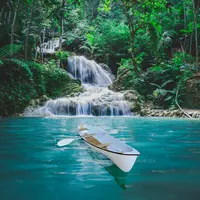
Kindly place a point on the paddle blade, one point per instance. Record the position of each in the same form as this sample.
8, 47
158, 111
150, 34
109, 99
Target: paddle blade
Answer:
65, 142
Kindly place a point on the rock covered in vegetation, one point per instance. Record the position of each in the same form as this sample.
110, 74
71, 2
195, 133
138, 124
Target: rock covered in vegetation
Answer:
134, 99
132, 95
117, 84
39, 102
135, 107
192, 99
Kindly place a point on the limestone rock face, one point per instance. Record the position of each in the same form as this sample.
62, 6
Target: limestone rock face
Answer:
135, 107
132, 95
192, 98
40, 101
168, 113
134, 99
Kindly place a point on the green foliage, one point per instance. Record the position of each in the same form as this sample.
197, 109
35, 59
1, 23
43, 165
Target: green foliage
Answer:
22, 64
166, 39
127, 76
17, 88
105, 6
107, 40
54, 76
9, 50
62, 55
159, 84
8, 55
167, 77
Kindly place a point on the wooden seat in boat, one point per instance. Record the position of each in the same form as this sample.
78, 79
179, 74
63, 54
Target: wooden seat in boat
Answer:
95, 142
104, 146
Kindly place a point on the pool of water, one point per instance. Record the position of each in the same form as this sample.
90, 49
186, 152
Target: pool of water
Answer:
33, 167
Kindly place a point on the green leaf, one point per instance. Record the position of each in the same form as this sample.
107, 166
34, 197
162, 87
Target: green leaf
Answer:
9, 50
22, 64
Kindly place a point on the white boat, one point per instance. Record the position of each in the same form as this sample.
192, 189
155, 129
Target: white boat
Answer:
123, 155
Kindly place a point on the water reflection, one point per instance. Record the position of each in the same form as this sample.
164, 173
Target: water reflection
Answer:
118, 175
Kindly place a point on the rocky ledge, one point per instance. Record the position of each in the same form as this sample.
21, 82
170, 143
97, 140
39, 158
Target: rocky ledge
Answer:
147, 112
39, 102
147, 109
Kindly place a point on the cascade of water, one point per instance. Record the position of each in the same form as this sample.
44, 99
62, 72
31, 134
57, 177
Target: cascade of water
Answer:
97, 99
88, 71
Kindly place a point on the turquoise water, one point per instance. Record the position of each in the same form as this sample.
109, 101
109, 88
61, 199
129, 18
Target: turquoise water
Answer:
32, 167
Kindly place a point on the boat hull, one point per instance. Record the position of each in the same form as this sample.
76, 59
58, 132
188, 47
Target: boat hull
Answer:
124, 162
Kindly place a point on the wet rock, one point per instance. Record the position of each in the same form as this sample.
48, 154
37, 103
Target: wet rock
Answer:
132, 96
194, 115
167, 113
100, 109
39, 102
44, 98
82, 89
105, 67
95, 110
112, 87
135, 107
148, 104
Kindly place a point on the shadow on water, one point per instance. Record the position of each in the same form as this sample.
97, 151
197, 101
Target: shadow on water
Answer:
118, 175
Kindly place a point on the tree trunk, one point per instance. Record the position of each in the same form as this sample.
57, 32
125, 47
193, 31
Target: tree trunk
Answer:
43, 41
91, 8
61, 25
13, 24
1, 13
132, 33
191, 39
44, 33
61, 35
13, 27
83, 13
185, 22
62, 29
28, 31
196, 33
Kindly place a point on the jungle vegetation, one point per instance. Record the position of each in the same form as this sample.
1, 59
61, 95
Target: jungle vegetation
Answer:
151, 46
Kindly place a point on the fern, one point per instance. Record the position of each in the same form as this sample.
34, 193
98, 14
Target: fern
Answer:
9, 49
154, 84
31, 63
166, 39
22, 64
166, 83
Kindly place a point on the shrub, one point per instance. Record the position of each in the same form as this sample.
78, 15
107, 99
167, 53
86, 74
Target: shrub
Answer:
18, 88
160, 82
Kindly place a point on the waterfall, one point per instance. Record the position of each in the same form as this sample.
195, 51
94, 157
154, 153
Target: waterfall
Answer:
88, 71
97, 99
